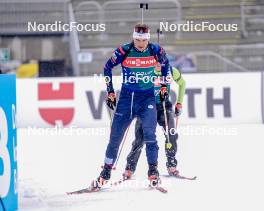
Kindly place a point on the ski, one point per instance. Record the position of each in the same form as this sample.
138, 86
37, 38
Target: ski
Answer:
159, 188
93, 190
178, 176
184, 177
84, 190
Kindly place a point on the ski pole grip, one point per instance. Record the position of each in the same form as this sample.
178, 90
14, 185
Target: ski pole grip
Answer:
159, 31
141, 5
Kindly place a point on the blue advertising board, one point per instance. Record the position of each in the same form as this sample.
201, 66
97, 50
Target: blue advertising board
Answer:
8, 144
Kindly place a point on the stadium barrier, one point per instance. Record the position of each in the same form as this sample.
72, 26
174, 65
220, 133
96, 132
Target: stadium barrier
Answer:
216, 98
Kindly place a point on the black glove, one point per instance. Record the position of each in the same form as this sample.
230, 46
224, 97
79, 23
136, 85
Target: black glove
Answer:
164, 95
111, 100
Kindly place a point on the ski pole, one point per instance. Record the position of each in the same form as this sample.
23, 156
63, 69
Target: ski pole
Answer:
177, 122
122, 145
141, 5
168, 144
111, 114
159, 33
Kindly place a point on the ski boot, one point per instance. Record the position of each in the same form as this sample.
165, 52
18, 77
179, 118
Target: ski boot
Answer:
103, 178
172, 171
153, 176
127, 174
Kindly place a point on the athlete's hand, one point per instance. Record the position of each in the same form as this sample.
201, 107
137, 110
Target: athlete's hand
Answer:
164, 95
178, 109
111, 100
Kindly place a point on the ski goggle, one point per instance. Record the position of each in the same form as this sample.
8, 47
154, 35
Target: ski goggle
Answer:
141, 29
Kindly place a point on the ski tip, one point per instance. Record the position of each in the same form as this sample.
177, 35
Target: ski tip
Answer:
194, 178
162, 190
71, 193
181, 177
158, 188
188, 178
82, 191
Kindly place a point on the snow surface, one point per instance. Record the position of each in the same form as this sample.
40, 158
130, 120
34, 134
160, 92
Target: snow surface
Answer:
228, 166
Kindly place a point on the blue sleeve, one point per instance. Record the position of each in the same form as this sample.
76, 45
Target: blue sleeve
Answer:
115, 60
163, 60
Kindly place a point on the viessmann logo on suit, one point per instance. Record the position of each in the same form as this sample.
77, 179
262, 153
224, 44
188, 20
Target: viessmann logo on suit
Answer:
143, 62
